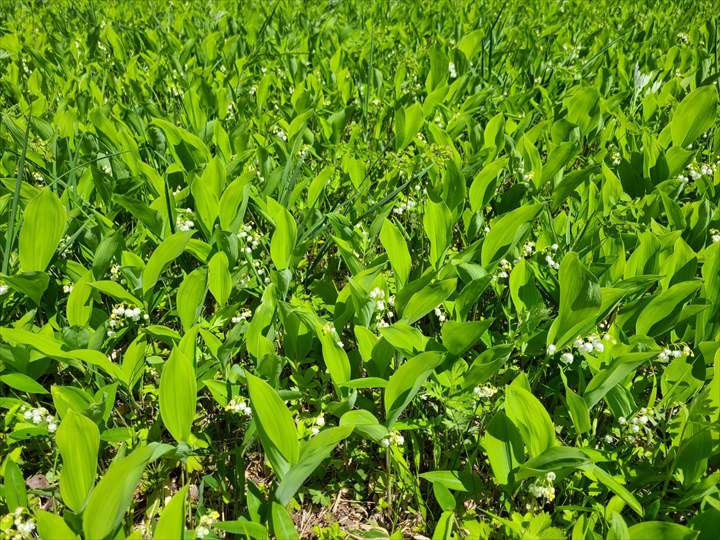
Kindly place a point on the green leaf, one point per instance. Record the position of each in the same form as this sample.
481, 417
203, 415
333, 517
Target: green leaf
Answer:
14, 487
219, 278
609, 377
558, 459
113, 495
20, 381
397, 251
580, 301
206, 191
459, 337
654, 530
406, 382
78, 440
178, 395
313, 454
52, 527
191, 297
172, 519
427, 299
694, 115
506, 232
275, 425
437, 221
594, 472
31, 284
408, 122
284, 236
42, 228
168, 250
484, 184
531, 418
661, 313
282, 524
115, 290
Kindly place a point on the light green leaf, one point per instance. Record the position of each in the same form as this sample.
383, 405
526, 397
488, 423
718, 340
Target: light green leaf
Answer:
178, 395
172, 519
78, 440
506, 232
531, 418
694, 115
397, 251
191, 297
42, 228
406, 382
219, 278
168, 250
437, 221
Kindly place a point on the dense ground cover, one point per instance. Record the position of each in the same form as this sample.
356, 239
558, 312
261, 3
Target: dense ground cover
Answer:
445, 269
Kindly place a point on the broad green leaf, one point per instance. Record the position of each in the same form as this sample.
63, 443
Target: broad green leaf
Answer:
168, 250
406, 382
172, 519
284, 236
661, 313
42, 228
313, 454
531, 419
53, 527
78, 440
428, 298
506, 232
596, 473
437, 221
654, 530
580, 301
503, 445
694, 115
191, 297
484, 184
219, 278
14, 487
459, 337
557, 459
275, 425
282, 524
178, 395
397, 251
113, 494
20, 381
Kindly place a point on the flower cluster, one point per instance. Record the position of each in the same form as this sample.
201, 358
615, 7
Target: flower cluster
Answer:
244, 315
184, 221
714, 236
15, 526
115, 272
440, 314
39, 416
544, 488
586, 345
551, 262
319, 422
4, 289
251, 238
330, 329
407, 206
696, 171
280, 134
238, 407
206, 524
122, 314
528, 249
377, 295
616, 158
485, 391
638, 430
505, 268
452, 70
393, 438
666, 354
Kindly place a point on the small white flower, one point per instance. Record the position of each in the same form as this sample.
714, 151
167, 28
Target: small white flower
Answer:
609, 439
67, 289
315, 430
52, 427
622, 420
202, 532
550, 476
320, 420
3, 289
551, 349
567, 358
452, 70
587, 347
